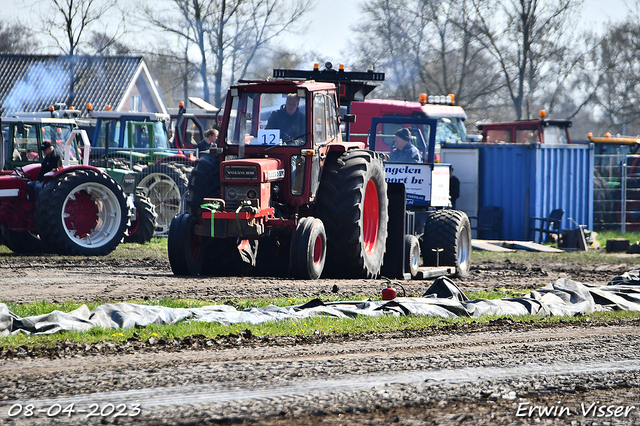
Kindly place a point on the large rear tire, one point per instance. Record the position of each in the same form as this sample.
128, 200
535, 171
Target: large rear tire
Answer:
82, 213
450, 231
308, 249
204, 182
164, 184
352, 203
184, 247
143, 227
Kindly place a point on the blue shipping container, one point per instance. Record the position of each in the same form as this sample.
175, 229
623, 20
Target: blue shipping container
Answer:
532, 180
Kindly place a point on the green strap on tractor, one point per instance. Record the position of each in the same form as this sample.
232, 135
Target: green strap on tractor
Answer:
213, 207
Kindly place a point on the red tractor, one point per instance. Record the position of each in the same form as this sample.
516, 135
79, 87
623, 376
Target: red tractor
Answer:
309, 198
544, 130
79, 211
283, 177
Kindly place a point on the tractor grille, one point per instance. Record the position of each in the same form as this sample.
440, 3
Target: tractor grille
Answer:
236, 193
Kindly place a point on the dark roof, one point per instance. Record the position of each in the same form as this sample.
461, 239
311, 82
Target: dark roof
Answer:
35, 82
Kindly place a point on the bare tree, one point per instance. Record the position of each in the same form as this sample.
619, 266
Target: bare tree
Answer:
104, 44
16, 38
255, 24
226, 34
172, 74
424, 46
529, 39
191, 22
68, 22
617, 94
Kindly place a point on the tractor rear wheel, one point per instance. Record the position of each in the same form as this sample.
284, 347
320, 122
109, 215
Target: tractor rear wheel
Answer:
143, 226
447, 241
204, 182
164, 184
82, 213
184, 247
308, 249
353, 206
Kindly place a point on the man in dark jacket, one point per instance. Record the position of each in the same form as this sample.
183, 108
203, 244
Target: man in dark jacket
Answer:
210, 141
51, 161
289, 120
404, 151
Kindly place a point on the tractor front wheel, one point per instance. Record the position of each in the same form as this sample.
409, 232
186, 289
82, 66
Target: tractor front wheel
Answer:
308, 249
144, 225
184, 247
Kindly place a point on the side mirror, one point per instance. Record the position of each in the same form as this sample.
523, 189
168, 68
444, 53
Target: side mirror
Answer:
349, 118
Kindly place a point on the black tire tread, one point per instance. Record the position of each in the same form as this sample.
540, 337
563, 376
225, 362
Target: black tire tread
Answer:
146, 221
204, 182
49, 212
441, 232
339, 206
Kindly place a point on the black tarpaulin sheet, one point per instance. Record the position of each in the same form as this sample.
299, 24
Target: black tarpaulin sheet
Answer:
443, 299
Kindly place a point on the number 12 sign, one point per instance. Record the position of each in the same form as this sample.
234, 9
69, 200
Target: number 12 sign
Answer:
269, 136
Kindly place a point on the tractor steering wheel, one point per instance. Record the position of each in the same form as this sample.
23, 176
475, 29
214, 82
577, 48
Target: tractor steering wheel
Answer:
20, 172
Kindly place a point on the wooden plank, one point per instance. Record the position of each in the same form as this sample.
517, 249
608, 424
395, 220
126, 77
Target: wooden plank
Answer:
510, 246
426, 272
489, 246
531, 246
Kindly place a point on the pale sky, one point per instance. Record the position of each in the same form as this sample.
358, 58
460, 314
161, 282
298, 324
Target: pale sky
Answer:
330, 24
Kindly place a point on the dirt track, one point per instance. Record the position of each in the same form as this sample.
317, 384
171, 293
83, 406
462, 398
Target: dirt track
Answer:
55, 278
459, 375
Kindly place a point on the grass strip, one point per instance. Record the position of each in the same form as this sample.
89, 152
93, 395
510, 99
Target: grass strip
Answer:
290, 327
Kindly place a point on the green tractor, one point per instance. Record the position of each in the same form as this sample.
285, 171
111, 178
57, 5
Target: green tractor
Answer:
139, 141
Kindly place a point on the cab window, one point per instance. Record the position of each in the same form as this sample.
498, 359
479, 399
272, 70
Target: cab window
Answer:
319, 119
267, 119
25, 143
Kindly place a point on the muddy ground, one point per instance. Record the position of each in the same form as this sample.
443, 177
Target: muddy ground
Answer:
470, 374
56, 278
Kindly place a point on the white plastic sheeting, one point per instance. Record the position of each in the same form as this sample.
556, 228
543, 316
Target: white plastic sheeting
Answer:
443, 299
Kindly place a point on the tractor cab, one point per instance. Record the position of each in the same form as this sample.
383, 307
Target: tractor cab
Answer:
277, 132
190, 124
24, 134
290, 123
549, 132
140, 136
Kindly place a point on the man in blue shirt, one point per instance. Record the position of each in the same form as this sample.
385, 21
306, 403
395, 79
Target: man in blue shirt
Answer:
404, 151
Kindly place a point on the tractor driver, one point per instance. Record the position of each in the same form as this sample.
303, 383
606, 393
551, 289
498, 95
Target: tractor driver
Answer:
50, 161
289, 119
404, 151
